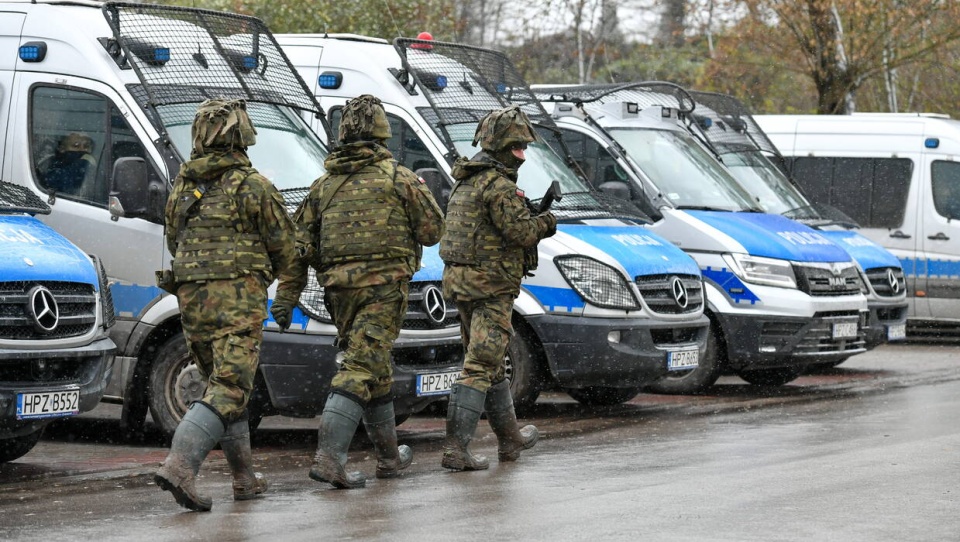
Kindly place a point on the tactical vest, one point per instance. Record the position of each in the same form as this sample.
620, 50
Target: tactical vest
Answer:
365, 220
471, 238
213, 243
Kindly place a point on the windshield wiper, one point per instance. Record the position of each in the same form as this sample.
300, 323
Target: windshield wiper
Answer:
702, 208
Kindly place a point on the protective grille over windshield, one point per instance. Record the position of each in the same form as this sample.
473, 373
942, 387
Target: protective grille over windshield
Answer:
17, 199
185, 55
464, 83
731, 129
644, 94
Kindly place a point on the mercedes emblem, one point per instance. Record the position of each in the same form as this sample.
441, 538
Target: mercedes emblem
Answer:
893, 282
434, 305
679, 292
42, 307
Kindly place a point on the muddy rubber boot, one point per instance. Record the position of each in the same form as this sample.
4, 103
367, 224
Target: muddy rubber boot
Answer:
511, 440
339, 421
380, 423
463, 413
198, 432
235, 444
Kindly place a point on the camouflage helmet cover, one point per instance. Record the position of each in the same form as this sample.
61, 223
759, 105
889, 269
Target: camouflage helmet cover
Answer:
503, 128
222, 124
363, 119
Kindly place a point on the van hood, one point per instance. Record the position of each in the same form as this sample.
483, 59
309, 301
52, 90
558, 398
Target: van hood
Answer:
865, 252
774, 236
32, 251
640, 251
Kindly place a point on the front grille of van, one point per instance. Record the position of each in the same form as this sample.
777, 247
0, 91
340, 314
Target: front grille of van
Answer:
663, 295
827, 280
76, 305
887, 281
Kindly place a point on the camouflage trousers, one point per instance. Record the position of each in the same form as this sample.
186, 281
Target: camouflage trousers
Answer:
368, 320
223, 325
486, 329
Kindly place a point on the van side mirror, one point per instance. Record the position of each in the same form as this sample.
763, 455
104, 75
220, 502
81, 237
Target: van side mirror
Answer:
438, 184
132, 195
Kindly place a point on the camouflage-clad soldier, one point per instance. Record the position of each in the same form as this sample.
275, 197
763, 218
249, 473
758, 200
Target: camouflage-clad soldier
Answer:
488, 227
230, 235
367, 218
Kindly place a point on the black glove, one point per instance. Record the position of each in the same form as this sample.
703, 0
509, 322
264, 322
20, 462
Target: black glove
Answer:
551, 222
282, 314
534, 211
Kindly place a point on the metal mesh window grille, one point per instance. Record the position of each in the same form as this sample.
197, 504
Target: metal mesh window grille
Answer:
732, 128
17, 199
186, 55
644, 94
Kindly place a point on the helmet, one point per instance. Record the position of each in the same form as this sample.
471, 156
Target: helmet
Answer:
222, 124
504, 128
75, 142
363, 119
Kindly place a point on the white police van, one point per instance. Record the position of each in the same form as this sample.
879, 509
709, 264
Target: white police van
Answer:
780, 296
898, 176
55, 310
726, 126
611, 306
116, 86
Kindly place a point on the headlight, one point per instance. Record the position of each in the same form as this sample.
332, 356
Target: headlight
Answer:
758, 270
106, 296
597, 283
311, 299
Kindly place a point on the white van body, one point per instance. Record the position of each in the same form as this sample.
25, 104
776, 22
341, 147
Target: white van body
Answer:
600, 355
898, 175
130, 76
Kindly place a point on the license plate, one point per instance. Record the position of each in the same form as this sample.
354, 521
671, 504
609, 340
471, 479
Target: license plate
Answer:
897, 332
845, 330
436, 383
683, 359
48, 404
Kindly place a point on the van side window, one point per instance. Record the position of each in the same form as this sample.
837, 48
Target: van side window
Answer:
75, 137
404, 144
872, 191
945, 186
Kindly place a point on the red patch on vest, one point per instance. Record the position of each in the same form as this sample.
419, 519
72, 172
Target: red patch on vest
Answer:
520, 193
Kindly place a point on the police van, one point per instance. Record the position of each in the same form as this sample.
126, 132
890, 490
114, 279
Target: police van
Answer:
55, 353
611, 306
780, 296
107, 92
728, 129
898, 176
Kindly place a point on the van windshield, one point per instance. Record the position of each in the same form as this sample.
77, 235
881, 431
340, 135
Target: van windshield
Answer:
287, 151
769, 186
682, 170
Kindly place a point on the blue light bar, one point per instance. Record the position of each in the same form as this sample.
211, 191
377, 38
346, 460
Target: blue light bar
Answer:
501, 88
441, 81
330, 80
161, 55
932, 142
249, 62
34, 51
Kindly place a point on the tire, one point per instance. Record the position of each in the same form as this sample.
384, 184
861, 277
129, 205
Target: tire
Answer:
524, 371
602, 395
17, 447
175, 382
700, 379
770, 377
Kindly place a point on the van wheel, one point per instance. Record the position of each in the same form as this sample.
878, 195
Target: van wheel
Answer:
770, 377
17, 447
702, 377
602, 395
175, 383
523, 370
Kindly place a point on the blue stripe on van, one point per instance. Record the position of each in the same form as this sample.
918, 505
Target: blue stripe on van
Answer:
731, 284
774, 236
556, 299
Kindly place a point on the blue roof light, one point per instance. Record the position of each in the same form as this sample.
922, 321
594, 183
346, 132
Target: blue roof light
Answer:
34, 51
932, 142
161, 55
501, 88
330, 80
441, 81
249, 62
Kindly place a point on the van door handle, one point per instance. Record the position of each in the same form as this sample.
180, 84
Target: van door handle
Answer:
899, 235
940, 236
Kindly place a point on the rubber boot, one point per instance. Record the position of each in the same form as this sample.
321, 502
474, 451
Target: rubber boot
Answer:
511, 440
198, 432
339, 421
463, 413
235, 444
380, 423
